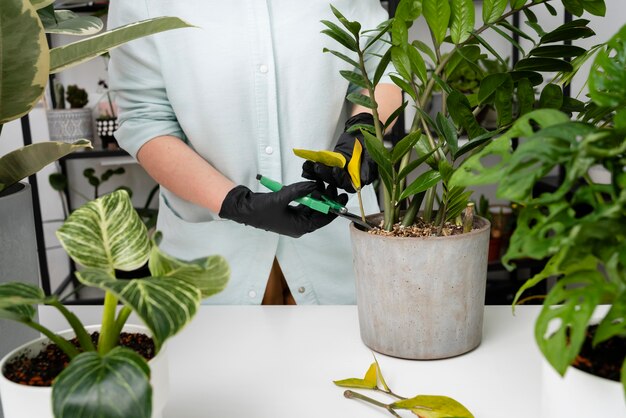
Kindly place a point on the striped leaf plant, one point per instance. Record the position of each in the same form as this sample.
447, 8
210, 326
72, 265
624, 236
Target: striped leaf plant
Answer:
434, 144
26, 62
104, 236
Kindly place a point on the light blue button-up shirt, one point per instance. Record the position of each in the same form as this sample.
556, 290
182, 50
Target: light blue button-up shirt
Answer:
243, 89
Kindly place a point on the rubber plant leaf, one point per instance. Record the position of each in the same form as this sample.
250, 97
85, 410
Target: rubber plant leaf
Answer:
209, 274
430, 406
165, 304
69, 23
115, 385
368, 382
354, 166
329, 158
23, 45
92, 240
28, 160
80, 51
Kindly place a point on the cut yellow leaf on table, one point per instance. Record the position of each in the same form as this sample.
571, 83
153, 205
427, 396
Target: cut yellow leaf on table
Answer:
429, 406
329, 158
354, 166
370, 380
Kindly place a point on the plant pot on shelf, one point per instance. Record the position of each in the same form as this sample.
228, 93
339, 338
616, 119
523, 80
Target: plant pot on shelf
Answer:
105, 127
21, 401
421, 298
69, 125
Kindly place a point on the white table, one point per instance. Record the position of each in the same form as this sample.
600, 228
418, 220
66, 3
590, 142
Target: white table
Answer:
275, 362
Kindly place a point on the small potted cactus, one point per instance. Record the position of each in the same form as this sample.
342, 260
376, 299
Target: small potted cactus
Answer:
73, 123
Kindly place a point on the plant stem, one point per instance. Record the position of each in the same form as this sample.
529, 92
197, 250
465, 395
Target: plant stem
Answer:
108, 337
61, 342
122, 317
358, 193
355, 395
81, 333
389, 392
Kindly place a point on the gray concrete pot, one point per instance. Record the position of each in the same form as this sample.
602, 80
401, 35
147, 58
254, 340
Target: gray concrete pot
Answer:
421, 298
69, 125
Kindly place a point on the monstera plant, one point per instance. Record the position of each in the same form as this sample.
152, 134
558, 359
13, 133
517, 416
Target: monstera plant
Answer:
26, 62
103, 236
579, 228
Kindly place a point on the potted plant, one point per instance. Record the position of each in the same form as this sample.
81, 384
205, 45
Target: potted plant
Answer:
423, 297
580, 228
103, 236
106, 123
69, 125
25, 65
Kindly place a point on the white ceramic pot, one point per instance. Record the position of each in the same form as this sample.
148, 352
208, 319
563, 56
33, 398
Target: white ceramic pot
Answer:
70, 125
421, 298
580, 394
21, 401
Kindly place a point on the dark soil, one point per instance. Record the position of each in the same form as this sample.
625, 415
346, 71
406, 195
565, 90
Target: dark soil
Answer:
42, 369
420, 229
605, 359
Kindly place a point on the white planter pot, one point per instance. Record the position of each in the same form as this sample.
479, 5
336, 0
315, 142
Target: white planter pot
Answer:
69, 125
421, 298
21, 401
580, 394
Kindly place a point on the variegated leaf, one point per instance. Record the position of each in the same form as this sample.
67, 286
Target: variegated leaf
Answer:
28, 160
354, 166
78, 52
209, 274
106, 233
115, 385
69, 23
329, 158
40, 4
165, 304
17, 300
24, 59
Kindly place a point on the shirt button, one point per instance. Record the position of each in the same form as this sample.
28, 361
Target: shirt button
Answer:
301, 289
252, 293
269, 150
263, 68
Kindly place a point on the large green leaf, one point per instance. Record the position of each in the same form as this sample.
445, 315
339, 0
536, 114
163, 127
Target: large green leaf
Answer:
165, 304
24, 59
115, 385
437, 14
462, 20
430, 406
78, 52
493, 10
28, 160
423, 182
339, 35
209, 274
106, 233
67, 22
607, 78
17, 300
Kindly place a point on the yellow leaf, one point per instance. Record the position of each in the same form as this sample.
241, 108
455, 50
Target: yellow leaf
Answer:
329, 158
370, 376
355, 383
354, 166
428, 406
380, 375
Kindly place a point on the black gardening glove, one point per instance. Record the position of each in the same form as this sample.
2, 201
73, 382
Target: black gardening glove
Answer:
339, 177
272, 211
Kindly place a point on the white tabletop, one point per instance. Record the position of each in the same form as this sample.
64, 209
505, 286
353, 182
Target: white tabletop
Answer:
275, 362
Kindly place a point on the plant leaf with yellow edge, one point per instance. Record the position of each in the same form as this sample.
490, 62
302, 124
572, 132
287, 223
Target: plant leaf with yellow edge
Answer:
429, 406
354, 166
381, 379
368, 382
329, 158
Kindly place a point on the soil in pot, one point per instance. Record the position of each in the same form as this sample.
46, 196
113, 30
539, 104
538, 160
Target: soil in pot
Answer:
419, 229
605, 359
42, 369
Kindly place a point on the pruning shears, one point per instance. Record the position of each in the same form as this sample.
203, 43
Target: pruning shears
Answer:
325, 205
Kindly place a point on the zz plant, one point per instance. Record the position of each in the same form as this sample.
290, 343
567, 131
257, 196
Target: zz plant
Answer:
26, 62
580, 228
103, 236
419, 68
